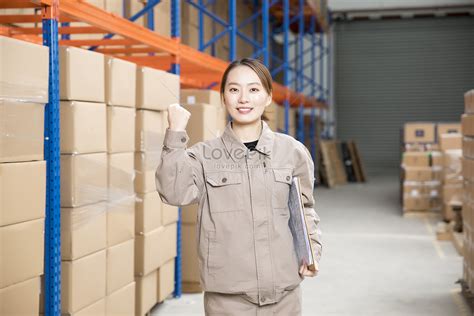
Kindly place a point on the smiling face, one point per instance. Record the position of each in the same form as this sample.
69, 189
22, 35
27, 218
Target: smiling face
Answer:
244, 96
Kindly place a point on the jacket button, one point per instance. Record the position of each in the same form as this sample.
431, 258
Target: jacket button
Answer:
224, 180
288, 178
183, 139
262, 299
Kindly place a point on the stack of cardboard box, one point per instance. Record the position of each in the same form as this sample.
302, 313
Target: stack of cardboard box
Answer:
450, 142
208, 120
83, 181
23, 93
467, 122
280, 115
120, 96
155, 227
422, 169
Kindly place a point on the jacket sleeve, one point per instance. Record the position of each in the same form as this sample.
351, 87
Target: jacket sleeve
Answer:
305, 172
179, 176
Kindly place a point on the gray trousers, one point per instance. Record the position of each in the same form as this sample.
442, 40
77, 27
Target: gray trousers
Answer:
216, 304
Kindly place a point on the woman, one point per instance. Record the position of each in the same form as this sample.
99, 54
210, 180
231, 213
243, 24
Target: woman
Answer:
241, 181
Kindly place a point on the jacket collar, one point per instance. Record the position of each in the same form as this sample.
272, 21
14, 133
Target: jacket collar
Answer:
237, 149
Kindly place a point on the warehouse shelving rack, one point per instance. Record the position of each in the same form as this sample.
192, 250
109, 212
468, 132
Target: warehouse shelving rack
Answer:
124, 39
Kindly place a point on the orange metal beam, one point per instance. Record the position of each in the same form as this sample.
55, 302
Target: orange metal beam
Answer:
98, 42
62, 30
127, 50
88, 13
27, 18
17, 4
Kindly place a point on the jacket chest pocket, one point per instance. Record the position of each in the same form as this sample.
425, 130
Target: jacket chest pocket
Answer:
225, 191
281, 187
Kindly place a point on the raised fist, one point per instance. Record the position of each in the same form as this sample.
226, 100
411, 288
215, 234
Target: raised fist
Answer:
178, 117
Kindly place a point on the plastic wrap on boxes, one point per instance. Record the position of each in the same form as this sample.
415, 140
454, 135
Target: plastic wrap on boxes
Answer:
83, 179
21, 131
25, 70
145, 168
121, 175
121, 220
83, 230
150, 130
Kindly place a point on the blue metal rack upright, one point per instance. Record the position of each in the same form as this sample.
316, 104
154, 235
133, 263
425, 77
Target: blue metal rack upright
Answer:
52, 256
175, 68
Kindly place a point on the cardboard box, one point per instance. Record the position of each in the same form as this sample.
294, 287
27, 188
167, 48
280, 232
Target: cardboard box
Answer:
468, 169
416, 159
281, 120
452, 193
22, 134
152, 250
95, 309
452, 166
165, 280
447, 128
83, 230
419, 133
83, 127
120, 260
83, 179
417, 189
189, 214
21, 299
150, 130
25, 70
18, 180
271, 113
192, 287
120, 129
148, 213
81, 74
83, 281
145, 168
450, 141
122, 301
193, 96
146, 293
436, 158
420, 203
120, 82
170, 214
190, 263
467, 121
162, 18
21, 251
468, 147
121, 175
202, 124
156, 89
469, 102
120, 220
419, 174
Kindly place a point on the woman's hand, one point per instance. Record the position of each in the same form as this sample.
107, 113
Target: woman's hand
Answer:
305, 272
178, 117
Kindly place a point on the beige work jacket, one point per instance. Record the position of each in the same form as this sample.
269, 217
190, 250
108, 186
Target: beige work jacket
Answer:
244, 242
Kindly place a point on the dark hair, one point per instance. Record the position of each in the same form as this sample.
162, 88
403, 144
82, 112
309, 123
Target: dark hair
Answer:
262, 72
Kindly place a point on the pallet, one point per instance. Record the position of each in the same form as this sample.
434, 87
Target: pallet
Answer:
332, 168
357, 162
467, 294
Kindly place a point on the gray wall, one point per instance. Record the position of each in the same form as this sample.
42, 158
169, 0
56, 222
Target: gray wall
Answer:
388, 72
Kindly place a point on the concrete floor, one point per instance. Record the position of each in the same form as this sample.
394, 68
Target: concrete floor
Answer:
375, 262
